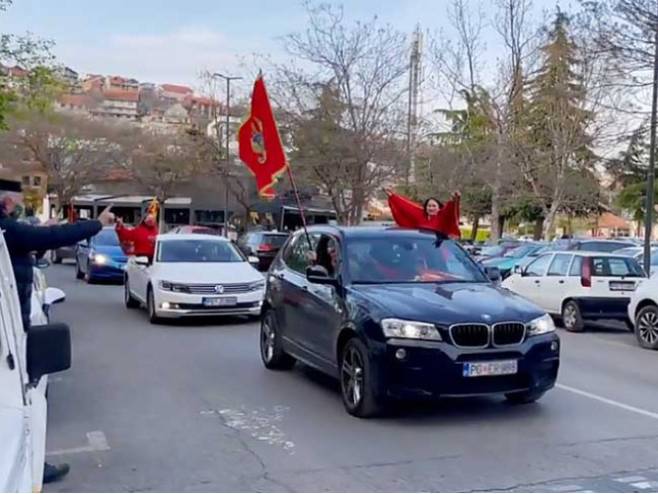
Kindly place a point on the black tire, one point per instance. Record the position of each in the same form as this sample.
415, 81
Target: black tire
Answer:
55, 258
150, 307
130, 301
572, 319
271, 350
79, 275
524, 397
646, 327
358, 381
88, 278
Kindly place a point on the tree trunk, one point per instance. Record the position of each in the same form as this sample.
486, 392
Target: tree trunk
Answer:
497, 221
539, 228
476, 227
549, 221
501, 225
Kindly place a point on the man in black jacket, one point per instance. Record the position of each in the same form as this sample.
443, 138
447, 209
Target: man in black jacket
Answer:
23, 240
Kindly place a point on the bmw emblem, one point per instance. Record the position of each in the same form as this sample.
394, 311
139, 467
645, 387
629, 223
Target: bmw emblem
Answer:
219, 288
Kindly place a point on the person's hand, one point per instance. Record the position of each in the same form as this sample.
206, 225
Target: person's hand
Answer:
106, 217
389, 191
456, 196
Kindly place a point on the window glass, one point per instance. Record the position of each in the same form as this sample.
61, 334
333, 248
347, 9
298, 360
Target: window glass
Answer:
198, 251
615, 266
560, 265
538, 266
298, 256
576, 266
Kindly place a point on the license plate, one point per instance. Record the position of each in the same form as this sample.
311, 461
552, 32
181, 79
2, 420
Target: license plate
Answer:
620, 286
498, 368
220, 301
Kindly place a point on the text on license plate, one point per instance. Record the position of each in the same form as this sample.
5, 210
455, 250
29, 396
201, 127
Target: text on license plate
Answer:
496, 368
220, 301
622, 285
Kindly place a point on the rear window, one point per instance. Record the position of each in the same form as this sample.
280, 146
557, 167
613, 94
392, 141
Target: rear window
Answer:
275, 240
616, 267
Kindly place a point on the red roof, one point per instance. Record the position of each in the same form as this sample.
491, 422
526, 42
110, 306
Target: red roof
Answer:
121, 95
77, 100
16, 71
174, 88
191, 100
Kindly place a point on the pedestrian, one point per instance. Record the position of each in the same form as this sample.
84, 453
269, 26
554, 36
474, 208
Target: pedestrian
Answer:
431, 215
22, 241
140, 240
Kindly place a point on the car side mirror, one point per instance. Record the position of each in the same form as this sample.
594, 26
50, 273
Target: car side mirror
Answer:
48, 350
320, 276
43, 263
492, 273
142, 261
518, 270
54, 296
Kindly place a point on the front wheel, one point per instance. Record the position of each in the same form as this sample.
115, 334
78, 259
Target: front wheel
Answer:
271, 350
646, 327
79, 275
150, 307
524, 397
572, 318
358, 382
130, 301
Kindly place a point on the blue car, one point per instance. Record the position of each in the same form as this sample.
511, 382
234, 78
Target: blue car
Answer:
100, 258
519, 256
394, 313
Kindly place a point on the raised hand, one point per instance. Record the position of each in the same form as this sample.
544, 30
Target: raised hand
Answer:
106, 217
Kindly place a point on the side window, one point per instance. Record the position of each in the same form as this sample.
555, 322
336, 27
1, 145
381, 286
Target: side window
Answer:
576, 266
560, 265
327, 254
298, 256
538, 267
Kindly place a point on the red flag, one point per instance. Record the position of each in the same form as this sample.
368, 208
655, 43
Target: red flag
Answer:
260, 144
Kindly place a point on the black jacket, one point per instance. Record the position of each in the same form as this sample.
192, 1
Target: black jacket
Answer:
23, 239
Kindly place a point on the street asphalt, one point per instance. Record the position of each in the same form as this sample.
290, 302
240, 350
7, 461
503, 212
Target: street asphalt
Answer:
189, 407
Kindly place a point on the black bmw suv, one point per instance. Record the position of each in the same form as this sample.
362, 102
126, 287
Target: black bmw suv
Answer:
396, 313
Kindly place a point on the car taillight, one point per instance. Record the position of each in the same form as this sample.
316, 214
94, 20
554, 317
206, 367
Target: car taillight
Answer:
586, 272
265, 248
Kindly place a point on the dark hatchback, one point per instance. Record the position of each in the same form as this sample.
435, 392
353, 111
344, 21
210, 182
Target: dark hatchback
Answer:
396, 313
263, 245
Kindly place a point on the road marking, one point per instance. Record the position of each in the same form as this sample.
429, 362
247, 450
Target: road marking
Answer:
608, 401
96, 441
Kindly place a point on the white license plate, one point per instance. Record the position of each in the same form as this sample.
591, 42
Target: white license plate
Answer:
621, 286
497, 368
220, 301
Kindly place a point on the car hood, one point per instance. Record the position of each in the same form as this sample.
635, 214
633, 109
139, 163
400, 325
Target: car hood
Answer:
207, 272
450, 303
113, 251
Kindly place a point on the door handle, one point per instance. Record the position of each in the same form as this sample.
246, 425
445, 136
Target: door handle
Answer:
561, 282
537, 282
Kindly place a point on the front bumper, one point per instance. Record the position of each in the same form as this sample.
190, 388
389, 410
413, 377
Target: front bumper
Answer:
110, 272
174, 305
433, 369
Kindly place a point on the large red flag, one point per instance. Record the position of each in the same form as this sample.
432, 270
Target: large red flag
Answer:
260, 144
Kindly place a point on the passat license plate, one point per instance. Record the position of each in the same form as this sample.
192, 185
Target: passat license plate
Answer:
220, 301
495, 368
620, 286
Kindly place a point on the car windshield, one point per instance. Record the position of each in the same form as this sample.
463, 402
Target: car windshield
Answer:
197, 251
521, 251
413, 259
493, 250
107, 237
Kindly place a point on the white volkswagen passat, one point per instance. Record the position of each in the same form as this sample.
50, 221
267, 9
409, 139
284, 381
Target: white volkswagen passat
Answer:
194, 275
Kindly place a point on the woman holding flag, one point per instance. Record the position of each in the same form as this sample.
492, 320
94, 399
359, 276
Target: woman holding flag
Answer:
431, 215
140, 240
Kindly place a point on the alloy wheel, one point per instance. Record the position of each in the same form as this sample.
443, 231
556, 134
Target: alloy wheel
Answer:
267, 341
648, 327
352, 376
569, 316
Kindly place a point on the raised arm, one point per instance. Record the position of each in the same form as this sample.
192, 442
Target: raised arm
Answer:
23, 237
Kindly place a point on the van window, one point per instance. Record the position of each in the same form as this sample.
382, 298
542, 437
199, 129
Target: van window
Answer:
576, 266
538, 266
560, 265
616, 267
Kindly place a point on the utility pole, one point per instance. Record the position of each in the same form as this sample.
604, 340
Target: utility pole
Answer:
648, 218
228, 80
414, 87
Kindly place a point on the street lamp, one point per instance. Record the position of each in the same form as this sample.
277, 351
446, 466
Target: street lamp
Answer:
228, 80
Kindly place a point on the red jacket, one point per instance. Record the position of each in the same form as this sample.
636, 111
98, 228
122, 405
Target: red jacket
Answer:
409, 214
138, 241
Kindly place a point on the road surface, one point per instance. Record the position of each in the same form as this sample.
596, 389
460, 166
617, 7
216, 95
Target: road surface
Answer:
189, 407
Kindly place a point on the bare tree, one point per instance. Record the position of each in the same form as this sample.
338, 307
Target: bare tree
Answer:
365, 66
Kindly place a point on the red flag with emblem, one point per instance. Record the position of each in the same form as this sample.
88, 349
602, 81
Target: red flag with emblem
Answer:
260, 144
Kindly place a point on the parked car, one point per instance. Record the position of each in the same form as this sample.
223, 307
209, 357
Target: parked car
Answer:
206, 230
579, 286
100, 258
596, 245
23, 407
57, 256
194, 275
263, 245
400, 313
497, 250
518, 256
643, 312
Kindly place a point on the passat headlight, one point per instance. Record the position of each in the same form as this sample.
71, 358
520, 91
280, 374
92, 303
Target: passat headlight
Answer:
257, 285
541, 325
173, 287
397, 328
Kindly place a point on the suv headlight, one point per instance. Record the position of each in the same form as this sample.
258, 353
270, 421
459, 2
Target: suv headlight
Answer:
541, 325
397, 328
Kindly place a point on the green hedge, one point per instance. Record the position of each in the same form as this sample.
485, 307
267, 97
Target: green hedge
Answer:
482, 236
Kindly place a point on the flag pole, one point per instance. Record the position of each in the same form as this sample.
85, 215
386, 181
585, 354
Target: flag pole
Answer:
299, 205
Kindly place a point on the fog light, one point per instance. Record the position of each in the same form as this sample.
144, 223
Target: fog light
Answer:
400, 354
166, 305
554, 346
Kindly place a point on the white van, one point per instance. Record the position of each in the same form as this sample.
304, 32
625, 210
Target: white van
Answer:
24, 359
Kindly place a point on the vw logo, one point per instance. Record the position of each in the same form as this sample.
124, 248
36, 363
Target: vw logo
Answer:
219, 289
